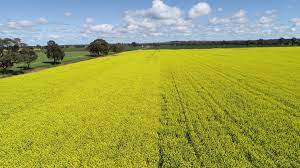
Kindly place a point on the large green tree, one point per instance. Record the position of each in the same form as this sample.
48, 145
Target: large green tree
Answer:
27, 55
99, 47
8, 45
5, 62
54, 51
9, 49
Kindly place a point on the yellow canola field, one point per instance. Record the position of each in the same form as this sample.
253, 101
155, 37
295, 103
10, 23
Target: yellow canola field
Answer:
156, 108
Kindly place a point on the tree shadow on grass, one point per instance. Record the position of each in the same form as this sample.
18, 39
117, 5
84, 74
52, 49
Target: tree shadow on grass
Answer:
11, 72
96, 55
24, 68
91, 55
51, 62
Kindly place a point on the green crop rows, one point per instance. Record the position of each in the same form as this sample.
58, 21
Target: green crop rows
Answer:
156, 108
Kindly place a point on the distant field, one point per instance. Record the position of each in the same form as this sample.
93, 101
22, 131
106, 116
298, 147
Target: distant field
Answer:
156, 108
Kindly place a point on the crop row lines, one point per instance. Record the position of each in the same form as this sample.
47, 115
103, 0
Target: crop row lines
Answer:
284, 105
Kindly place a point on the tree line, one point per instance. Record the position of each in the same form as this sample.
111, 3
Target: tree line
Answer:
13, 51
219, 44
198, 44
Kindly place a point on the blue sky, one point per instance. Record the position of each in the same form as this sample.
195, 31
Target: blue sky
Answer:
81, 21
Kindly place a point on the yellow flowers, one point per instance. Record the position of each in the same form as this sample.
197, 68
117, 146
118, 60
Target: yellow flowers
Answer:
217, 107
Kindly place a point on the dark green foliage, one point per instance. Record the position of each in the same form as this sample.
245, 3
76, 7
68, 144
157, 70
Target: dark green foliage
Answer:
281, 41
8, 45
6, 61
214, 44
117, 48
54, 52
99, 47
294, 41
38, 46
27, 56
9, 52
1, 49
15, 48
134, 44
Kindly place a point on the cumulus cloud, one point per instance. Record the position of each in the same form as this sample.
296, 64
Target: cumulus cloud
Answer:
238, 26
68, 14
26, 24
20, 24
91, 27
268, 18
295, 21
160, 10
106, 28
293, 29
157, 20
199, 9
237, 18
55, 37
164, 21
240, 14
220, 9
42, 21
271, 12
89, 20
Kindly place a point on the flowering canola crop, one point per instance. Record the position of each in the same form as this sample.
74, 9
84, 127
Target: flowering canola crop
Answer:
156, 108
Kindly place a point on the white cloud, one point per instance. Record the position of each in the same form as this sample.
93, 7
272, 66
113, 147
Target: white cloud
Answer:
216, 20
160, 10
293, 29
220, 9
107, 28
55, 37
13, 25
20, 24
271, 12
199, 9
89, 20
42, 21
240, 14
160, 19
68, 14
26, 24
268, 19
237, 18
159, 22
295, 21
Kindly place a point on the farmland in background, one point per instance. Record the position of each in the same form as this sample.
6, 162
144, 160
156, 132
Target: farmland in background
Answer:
156, 108
72, 55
